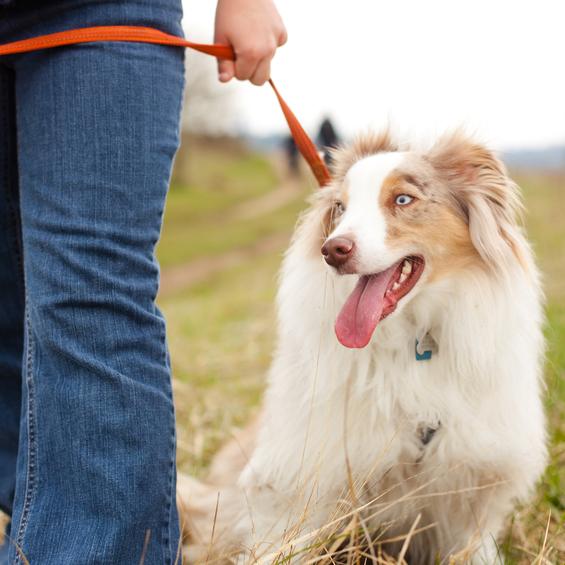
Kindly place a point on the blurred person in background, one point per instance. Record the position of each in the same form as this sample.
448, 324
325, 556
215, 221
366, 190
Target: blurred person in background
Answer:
327, 139
292, 156
89, 132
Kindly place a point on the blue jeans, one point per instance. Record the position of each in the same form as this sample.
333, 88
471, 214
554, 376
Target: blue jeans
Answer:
87, 428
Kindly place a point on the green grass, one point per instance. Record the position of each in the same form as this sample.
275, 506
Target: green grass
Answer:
222, 334
195, 223
242, 177
213, 234
546, 229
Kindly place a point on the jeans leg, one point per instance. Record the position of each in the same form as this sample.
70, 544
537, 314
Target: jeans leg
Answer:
97, 131
11, 294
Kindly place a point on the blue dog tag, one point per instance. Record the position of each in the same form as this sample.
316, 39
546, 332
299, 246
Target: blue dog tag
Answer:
425, 348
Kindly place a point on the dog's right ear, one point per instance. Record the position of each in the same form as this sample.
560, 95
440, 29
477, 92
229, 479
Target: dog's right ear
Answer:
485, 195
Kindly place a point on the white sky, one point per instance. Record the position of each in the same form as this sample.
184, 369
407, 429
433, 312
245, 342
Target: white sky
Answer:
495, 66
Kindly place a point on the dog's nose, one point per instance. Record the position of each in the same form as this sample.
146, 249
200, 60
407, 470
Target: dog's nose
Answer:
337, 251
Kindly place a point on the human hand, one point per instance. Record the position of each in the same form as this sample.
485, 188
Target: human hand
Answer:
254, 29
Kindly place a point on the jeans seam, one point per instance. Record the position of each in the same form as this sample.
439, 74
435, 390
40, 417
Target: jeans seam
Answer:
168, 507
31, 471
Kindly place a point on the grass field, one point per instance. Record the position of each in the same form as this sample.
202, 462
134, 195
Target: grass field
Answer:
221, 332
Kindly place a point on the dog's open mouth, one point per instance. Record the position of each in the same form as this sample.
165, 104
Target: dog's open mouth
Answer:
374, 298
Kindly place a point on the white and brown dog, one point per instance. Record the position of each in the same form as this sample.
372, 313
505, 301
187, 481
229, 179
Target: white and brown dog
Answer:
406, 383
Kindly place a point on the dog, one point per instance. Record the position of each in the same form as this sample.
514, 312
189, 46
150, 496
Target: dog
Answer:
405, 392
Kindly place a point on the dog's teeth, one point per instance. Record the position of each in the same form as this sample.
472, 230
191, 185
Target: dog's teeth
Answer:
406, 268
402, 278
395, 286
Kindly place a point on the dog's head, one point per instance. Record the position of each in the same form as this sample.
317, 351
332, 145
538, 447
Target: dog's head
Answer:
402, 219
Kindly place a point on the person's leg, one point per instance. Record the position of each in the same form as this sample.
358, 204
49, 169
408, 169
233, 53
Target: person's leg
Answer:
97, 131
11, 296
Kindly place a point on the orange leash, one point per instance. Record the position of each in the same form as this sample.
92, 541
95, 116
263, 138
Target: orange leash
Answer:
151, 35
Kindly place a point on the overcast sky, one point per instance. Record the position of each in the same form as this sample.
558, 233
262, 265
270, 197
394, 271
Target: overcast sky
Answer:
495, 66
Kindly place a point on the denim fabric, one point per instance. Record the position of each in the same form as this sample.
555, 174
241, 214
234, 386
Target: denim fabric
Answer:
88, 138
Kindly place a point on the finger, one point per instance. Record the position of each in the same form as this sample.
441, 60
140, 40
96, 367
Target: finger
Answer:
245, 65
226, 70
262, 73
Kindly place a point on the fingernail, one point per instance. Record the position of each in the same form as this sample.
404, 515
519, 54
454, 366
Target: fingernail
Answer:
224, 77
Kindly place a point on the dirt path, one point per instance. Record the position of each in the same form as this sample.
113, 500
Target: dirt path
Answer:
174, 279
288, 190
184, 276
265, 204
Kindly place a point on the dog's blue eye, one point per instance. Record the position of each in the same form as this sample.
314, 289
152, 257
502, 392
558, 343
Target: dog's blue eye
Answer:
403, 199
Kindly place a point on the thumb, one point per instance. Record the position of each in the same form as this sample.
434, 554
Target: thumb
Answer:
226, 70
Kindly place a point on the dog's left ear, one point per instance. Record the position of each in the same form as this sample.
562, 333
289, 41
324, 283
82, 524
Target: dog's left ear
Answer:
488, 199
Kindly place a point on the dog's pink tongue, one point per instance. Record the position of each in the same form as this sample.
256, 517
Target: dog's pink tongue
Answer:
361, 313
